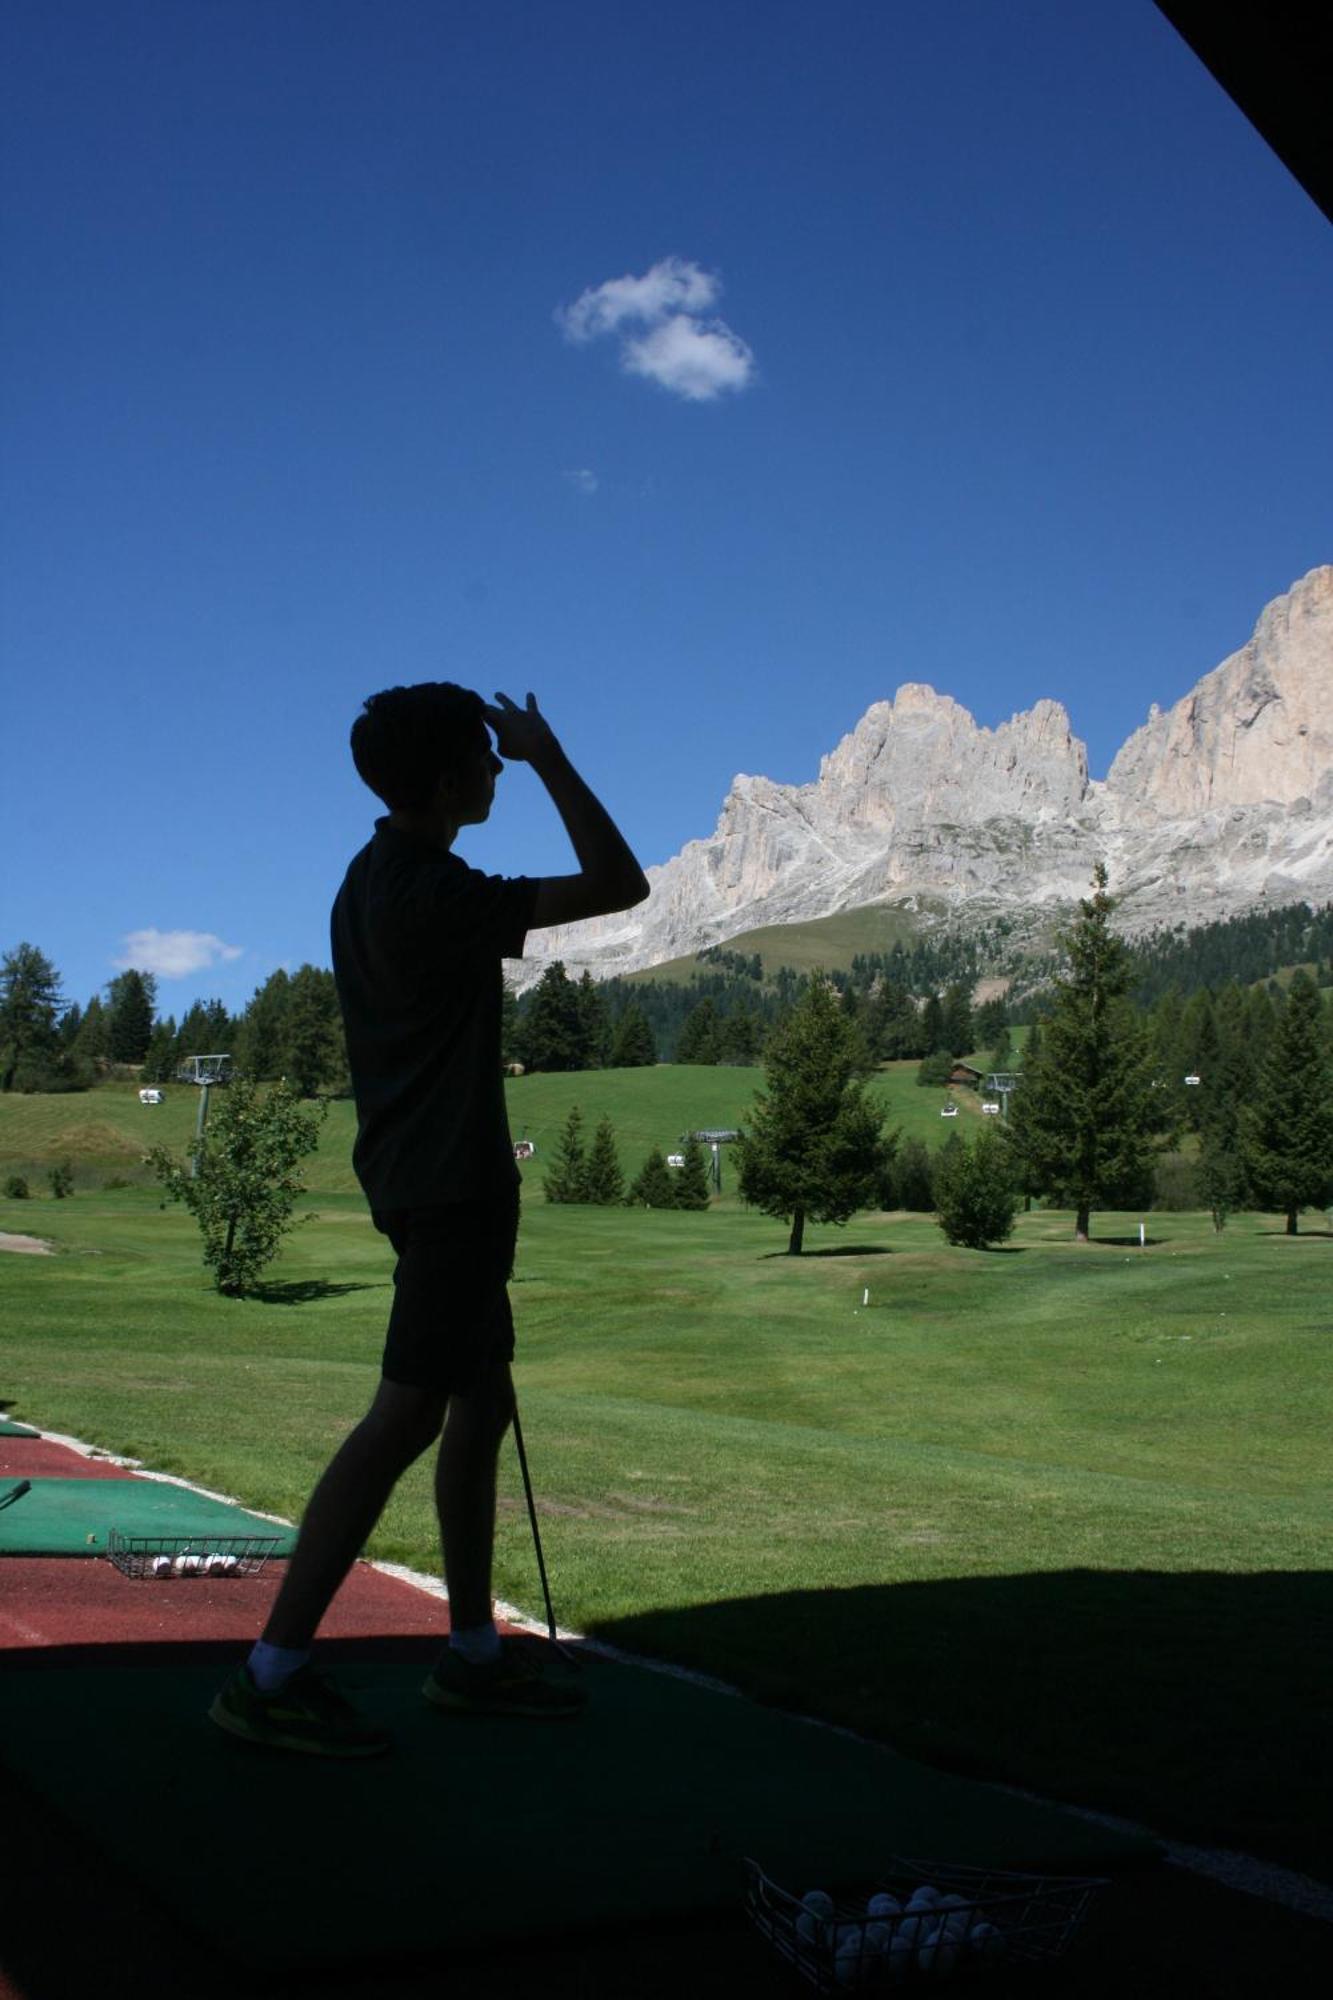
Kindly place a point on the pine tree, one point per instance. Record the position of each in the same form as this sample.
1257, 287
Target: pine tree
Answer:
92, 1043
261, 1038
653, 1185
314, 1051
908, 1182
632, 1046
1288, 1132
603, 1182
814, 1148
956, 1018
550, 1032
932, 1027
740, 1035
594, 1024
975, 1197
1086, 1121
159, 1063
567, 1179
691, 1188
698, 1041
30, 1006
130, 1003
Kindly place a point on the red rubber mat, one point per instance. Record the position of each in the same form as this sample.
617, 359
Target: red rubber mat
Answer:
42, 1458
50, 1601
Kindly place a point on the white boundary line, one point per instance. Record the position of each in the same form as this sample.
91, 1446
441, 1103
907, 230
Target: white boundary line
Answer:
1245, 1873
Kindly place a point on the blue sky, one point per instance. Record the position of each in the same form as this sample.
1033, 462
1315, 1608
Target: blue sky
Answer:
977, 344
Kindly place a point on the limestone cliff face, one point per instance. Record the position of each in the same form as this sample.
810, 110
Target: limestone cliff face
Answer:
1223, 801
1259, 727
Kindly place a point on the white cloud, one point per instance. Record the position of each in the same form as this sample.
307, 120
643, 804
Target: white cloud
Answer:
583, 479
693, 361
673, 285
174, 954
663, 335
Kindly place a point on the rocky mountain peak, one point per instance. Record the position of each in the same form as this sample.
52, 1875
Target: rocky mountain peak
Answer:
1222, 801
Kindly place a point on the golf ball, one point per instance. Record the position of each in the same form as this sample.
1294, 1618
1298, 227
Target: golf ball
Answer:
883, 1905
818, 1904
187, 1565
161, 1565
924, 1898
984, 1937
217, 1565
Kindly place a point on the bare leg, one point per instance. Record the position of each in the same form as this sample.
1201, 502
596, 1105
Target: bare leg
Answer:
465, 1494
349, 1499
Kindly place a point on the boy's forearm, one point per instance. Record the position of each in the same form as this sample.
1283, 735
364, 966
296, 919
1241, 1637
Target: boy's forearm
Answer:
603, 854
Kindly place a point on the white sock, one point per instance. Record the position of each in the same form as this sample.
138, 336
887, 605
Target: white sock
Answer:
271, 1667
479, 1644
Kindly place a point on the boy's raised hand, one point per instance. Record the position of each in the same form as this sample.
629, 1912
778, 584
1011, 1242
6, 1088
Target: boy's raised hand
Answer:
521, 734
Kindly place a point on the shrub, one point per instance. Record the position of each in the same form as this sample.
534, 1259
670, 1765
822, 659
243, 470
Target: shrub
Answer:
16, 1188
61, 1178
975, 1193
1176, 1184
934, 1069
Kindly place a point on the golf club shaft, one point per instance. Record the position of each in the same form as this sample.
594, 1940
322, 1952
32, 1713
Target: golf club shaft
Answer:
532, 1517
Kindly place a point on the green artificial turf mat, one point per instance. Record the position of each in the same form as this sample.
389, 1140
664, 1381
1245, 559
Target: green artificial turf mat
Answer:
480, 1829
9, 1429
72, 1517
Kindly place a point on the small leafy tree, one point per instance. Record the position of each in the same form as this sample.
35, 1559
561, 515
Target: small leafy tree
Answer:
691, 1188
245, 1185
568, 1176
653, 1186
61, 1177
603, 1182
975, 1196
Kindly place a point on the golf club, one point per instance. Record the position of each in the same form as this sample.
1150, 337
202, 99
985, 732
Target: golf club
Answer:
560, 1648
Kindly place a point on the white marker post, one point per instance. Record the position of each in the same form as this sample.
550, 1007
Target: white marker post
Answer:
1143, 1241
865, 1296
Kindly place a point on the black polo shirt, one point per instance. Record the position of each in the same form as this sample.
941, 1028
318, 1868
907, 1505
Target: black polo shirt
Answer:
418, 937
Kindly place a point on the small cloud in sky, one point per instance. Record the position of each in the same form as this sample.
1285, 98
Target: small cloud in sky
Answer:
693, 361
582, 479
174, 954
663, 336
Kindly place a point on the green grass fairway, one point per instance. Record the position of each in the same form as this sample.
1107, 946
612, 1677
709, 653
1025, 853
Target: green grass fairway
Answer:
106, 1132
1056, 1514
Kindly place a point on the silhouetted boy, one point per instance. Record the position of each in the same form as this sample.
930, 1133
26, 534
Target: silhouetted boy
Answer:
417, 942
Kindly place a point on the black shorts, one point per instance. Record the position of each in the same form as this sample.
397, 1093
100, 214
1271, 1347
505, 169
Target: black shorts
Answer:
451, 1321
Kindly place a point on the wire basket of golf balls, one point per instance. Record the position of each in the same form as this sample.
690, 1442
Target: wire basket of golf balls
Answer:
167, 1556
922, 1921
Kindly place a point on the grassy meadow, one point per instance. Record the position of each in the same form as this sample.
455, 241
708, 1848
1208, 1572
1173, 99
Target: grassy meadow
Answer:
105, 1132
1056, 1514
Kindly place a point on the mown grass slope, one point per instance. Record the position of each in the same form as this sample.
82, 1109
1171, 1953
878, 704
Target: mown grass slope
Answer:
1060, 1514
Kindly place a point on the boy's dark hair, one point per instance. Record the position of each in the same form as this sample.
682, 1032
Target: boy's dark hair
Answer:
406, 738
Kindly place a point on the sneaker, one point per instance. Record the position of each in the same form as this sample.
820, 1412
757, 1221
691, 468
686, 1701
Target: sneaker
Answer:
512, 1685
307, 1713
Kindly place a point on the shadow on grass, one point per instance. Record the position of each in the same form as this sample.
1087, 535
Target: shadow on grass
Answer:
1127, 1242
305, 1291
1299, 1232
837, 1250
1194, 1703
